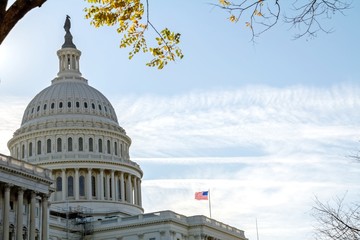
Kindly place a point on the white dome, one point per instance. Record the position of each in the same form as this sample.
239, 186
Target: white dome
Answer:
66, 98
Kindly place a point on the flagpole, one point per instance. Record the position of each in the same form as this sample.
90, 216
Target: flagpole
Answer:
209, 203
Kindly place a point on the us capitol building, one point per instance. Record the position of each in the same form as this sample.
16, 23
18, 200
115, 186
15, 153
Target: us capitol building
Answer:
70, 176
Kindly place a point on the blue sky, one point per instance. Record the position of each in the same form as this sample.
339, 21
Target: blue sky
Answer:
266, 126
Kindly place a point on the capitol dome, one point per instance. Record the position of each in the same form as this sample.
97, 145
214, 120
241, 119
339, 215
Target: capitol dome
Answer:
72, 129
66, 98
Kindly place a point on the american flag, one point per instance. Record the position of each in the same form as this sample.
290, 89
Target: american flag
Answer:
202, 195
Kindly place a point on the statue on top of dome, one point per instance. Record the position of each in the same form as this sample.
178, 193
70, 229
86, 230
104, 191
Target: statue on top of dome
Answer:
68, 37
67, 24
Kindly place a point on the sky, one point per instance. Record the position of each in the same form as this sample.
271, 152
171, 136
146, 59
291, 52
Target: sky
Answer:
267, 127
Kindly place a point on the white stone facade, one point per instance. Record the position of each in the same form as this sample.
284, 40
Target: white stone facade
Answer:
24, 192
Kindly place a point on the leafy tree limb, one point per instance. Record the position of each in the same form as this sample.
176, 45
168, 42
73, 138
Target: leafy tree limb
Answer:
127, 16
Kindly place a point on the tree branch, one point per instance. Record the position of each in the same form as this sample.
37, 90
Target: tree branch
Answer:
3, 5
337, 222
261, 15
9, 18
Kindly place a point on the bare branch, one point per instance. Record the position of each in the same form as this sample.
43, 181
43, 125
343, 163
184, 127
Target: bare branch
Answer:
336, 221
261, 15
307, 16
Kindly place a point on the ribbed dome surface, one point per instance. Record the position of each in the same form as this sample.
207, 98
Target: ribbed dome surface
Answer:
69, 96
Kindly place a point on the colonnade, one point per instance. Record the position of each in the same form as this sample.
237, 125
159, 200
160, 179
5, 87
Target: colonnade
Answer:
12, 200
97, 184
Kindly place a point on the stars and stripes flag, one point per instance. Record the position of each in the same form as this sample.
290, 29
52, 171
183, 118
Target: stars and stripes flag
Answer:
204, 195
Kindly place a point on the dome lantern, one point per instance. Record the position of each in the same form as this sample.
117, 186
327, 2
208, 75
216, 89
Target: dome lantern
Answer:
69, 56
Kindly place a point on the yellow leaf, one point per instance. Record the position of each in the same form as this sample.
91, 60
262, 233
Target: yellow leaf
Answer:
224, 2
232, 18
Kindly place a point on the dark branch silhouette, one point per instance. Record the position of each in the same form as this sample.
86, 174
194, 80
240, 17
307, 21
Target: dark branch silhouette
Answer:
306, 16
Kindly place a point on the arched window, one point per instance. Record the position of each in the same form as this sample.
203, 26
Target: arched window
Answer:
58, 184
100, 145
69, 104
82, 186
121, 150
48, 146
77, 104
52, 105
60, 104
108, 146
81, 145
38, 147
85, 105
93, 106
30, 149
116, 148
23, 151
91, 145
24, 233
45, 106
58, 145
70, 186
70, 145
93, 186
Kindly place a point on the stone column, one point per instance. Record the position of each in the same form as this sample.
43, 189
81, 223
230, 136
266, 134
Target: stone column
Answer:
122, 187
76, 184
63, 183
116, 187
136, 202
113, 194
89, 185
139, 192
32, 215
107, 186
6, 212
19, 215
129, 189
45, 216
101, 187
165, 234
52, 196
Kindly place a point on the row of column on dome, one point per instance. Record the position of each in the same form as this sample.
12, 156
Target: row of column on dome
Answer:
24, 213
69, 61
96, 184
71, 144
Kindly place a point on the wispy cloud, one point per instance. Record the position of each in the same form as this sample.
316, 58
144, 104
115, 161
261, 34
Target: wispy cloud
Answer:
268, 119
264, 152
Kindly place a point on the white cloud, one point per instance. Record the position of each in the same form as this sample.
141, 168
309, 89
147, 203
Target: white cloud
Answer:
269, 119
11, 112
264, 152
